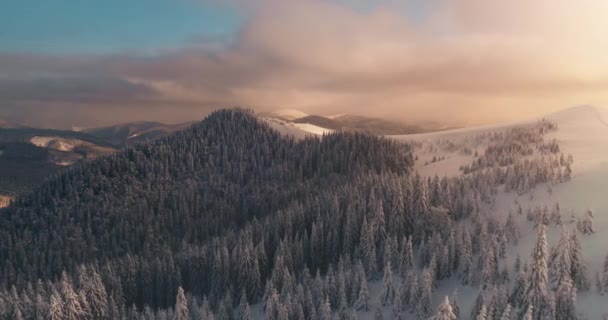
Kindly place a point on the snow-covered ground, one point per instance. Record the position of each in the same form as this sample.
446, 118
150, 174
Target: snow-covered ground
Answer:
288, 114
297, 130
583, 133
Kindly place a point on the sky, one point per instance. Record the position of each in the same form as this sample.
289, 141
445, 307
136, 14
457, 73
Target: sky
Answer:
86, 63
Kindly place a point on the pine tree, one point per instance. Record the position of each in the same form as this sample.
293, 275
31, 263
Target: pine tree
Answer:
605, 275
565, 300
368, 247
466, 272
455, 305
181, 306
40, 308
325, 310
536, 290
529, 315
483, 313
490, 266
409, 289
56, 307
407, 257
388, 289
560, 260
445, 311
96, 295
72, 309
378, 314
579, 270
244, 309
587, 223
423, 305
506, 314
477, 305
363, 299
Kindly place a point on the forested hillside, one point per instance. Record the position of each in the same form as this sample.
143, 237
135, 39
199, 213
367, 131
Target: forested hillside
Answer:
228, 213
167, 198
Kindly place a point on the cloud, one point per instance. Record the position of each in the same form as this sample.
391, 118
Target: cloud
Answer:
71, 89
471, 61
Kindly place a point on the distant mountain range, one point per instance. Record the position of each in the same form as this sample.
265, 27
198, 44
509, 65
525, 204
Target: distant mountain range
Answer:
376, 126
30, 155
133, 132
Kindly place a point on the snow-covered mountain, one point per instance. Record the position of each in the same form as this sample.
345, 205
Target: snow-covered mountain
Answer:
133, 132
583, 133
299, 124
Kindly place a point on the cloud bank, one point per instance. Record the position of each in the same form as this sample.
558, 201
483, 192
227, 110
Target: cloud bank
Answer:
466, 61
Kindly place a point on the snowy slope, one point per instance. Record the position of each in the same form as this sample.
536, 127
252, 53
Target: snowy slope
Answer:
583, 133
287, 114
297, 130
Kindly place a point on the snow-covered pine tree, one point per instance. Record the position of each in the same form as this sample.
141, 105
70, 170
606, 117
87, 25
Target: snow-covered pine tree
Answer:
586, 225
477, 305
388, 289
423, 305
362, 302
455, 305
482, 314
181, 305
368, 249
40, 308
565, 300
96, 295
407, 257
378, 314
529, 315
490, 266
536, 290
444, 312
409, 292
579, 270
560, 261
72, 309
507, 313
466, 261
604, 283
325, 310
244, 309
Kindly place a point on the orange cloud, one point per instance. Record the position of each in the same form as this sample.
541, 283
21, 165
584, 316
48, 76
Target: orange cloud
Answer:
472, 61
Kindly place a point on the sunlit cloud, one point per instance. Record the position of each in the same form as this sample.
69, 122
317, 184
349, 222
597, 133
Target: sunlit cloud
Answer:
467, 61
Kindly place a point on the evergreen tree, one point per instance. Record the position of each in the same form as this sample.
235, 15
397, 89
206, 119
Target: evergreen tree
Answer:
56, 307
483, 313
388, 289
407, 257
244, 309
325, 310
579, 270
445, 311
423, 303
466, 272
604, 283
565, 300
363, 299
368, 247
507, 313
560, 260
181, 306
536, 290
455, 305
378, 314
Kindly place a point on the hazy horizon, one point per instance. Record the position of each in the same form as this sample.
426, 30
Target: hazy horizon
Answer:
461, 62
